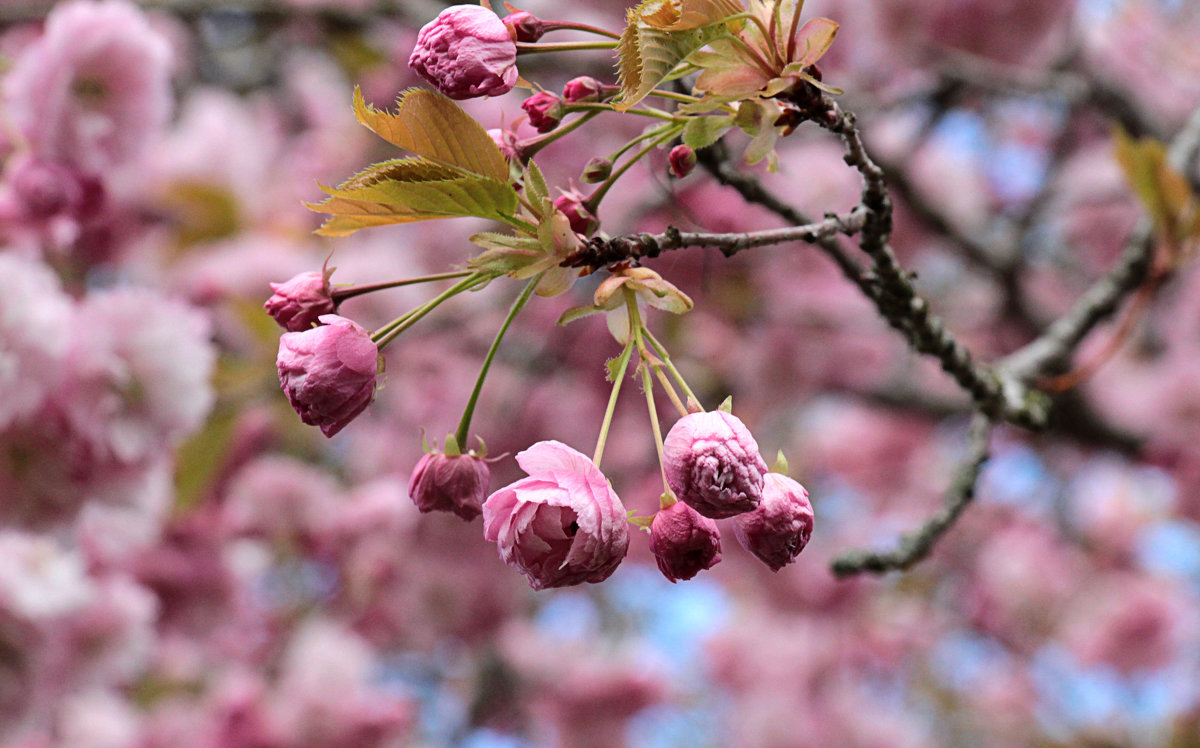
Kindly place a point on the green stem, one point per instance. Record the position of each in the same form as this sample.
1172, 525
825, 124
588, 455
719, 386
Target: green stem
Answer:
388, 332
593, 201
571, 26
635, 324
533, 48
622, 365
341, 294
465, 423
588, 106
666, 358
674, 96
644, 136
530, 149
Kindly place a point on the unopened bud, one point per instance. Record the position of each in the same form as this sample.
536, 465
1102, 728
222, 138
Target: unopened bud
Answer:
524, 26
683, 542
582, 89
544, 109
597, 170
682, 160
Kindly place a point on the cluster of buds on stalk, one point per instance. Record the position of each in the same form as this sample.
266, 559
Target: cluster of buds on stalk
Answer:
564, 524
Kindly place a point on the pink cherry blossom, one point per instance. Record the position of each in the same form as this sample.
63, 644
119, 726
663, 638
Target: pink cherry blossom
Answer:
328, 372
466, 52
779, 528
712, 463
94, 90
450, 483
563, 525
34, 333
684, 542
298, 303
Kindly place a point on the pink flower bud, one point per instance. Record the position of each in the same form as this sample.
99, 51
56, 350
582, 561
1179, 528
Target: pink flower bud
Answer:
524, 26
683, 542
544, 110
682, 160
450, 483
506, 141
582, 89
583, 221
298, 303
780, 527
562, 525
328, 372
466, 52
712, 463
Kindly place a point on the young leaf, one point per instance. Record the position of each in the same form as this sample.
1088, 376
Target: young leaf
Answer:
648, 54
535, 184
701, 132
430, 124
393, 201
681, 15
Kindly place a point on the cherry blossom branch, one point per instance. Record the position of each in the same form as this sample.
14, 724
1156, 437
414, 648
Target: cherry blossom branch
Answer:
1052, 350
916, 545
599, 252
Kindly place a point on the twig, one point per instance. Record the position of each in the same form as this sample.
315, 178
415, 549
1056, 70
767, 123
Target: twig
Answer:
916, 545
599, 252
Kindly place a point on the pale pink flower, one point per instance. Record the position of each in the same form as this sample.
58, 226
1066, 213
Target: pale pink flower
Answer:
95, 89
281, 498
140, 370
562, 525
298, 303
35, 317
466, 52
712, 462
44, 189
40, 578
779, 528
684, 542
450, 483
329, 372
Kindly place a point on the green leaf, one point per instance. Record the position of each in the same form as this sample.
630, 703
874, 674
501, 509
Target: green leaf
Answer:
388, 201
430, 124
535, 184
576, 312
681, 15
648, 55
701, 132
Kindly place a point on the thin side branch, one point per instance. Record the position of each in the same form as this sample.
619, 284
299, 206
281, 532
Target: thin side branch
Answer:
599, 252
916, 545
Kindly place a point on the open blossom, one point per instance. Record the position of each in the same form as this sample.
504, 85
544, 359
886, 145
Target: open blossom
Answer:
450, 483
298, 303
95, 88
35, 318
328, 372
683, 542
466, 52
562, 525
712, 462
780, 527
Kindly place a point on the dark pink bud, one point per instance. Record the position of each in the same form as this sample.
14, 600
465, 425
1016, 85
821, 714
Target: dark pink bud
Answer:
683, 542
298, 303
466, 52
682, 160
712, 462
45, 189
328, 372
544, 110
450, 483
780, 527
582, 89
524, 26
583, 221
